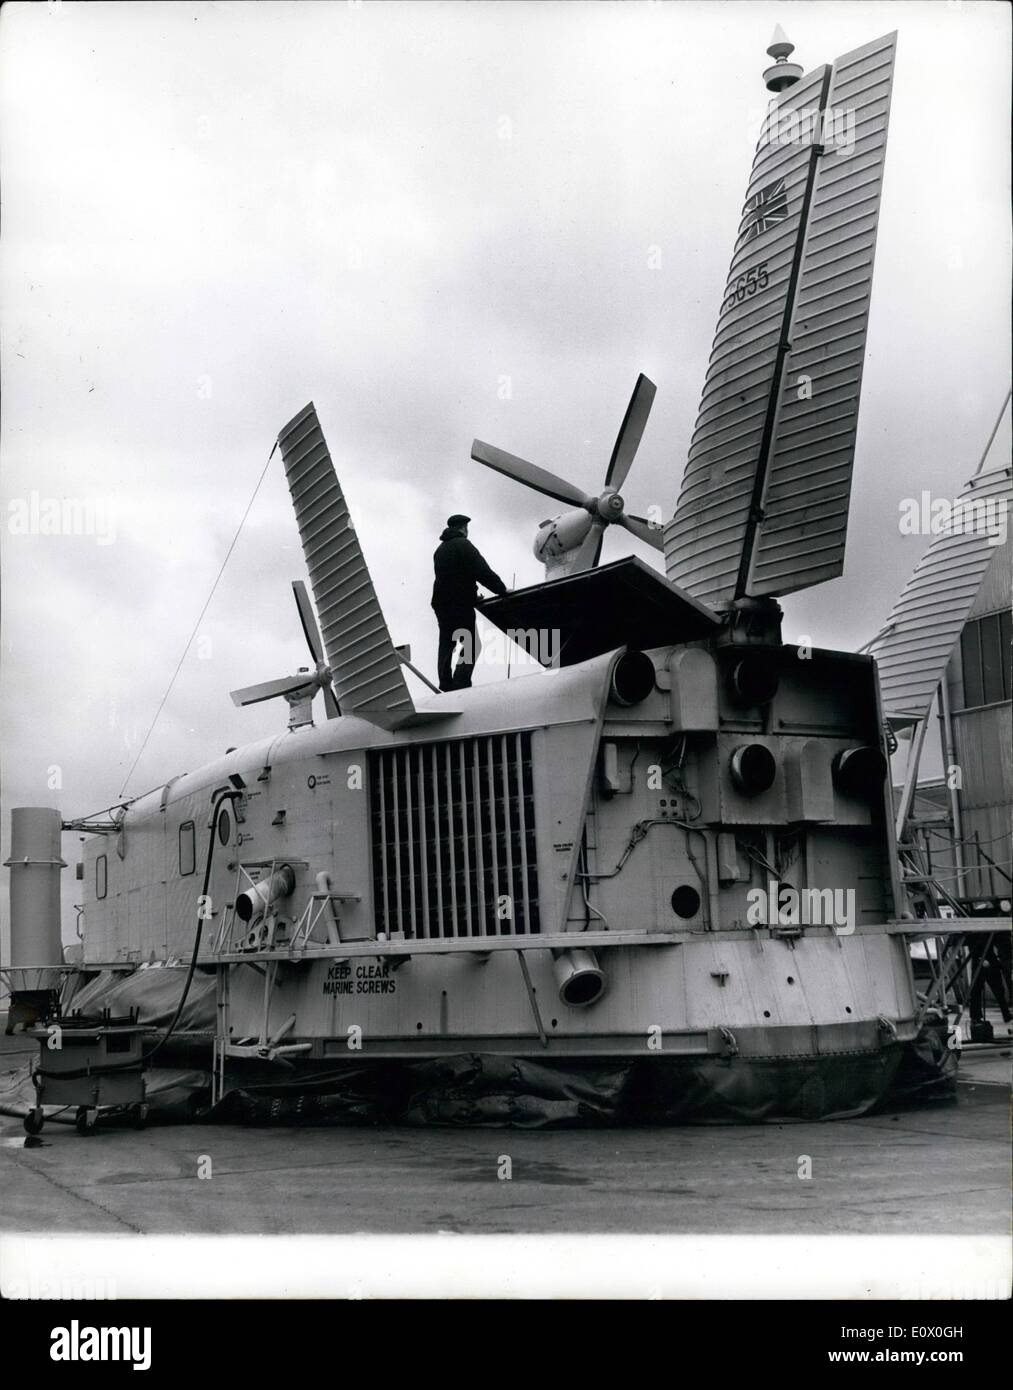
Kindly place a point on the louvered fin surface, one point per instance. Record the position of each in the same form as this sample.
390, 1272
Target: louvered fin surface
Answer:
800, 540
367, 674
705, 538
764, 502
915, 645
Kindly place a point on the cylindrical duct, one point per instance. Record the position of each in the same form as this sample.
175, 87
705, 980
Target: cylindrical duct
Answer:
581, 979
255, 901
860, 771
323, 882
753, 768
35, 863
754, 677
632, 678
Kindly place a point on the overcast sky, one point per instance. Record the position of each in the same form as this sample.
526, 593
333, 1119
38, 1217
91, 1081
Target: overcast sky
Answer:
215, 213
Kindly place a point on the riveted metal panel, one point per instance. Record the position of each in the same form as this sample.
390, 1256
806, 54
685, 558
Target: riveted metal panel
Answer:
914, 646
800, 539
367, 673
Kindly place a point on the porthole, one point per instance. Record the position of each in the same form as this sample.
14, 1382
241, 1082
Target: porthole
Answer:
685, 901
224, 826
101, 876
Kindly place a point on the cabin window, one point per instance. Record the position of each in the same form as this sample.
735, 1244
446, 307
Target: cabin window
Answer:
985, 659
101, 876
187, 849
224, 826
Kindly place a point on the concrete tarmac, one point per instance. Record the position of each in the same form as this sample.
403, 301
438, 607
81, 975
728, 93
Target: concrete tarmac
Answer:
933, 1171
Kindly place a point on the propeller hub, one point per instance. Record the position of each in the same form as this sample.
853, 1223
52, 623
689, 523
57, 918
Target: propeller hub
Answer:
610, 505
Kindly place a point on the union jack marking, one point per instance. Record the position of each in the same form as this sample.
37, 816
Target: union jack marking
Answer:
764, 209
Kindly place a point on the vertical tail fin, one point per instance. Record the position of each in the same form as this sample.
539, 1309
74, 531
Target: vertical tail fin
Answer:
366, 671
764, 502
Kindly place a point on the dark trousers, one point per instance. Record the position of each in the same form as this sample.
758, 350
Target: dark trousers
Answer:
456, 624
989, 960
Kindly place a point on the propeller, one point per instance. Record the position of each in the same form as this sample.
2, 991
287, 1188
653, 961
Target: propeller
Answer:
270, 690
317, 679
529, 473
569, 543
312, 634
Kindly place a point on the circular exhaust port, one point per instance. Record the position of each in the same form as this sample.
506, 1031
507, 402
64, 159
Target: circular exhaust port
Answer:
860, 771
754, 768
632, 678
754, 678
581, 980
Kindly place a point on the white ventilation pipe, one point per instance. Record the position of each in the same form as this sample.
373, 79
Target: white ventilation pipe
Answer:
35, 863
580, 978
255, 901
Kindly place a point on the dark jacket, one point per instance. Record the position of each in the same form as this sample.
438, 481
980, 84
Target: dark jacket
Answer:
458, 567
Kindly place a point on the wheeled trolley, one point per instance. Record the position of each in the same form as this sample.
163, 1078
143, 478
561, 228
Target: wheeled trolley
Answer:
95, 1067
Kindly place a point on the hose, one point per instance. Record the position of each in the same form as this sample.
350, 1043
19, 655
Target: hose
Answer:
23, 1115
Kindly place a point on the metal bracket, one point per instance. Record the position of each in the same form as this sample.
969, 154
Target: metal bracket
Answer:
532, 1000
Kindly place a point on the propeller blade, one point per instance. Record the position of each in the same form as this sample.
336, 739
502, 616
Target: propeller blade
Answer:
308, 620
269, 690
643, 529
528, 473
588, 553
312, 634
631, 431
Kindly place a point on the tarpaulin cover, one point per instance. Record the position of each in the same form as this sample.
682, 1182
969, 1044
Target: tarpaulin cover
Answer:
154, 992
928, 1067
489, 1089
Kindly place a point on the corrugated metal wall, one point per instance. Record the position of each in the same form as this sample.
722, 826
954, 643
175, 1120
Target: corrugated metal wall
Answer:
984, 751
996, 591
919, 637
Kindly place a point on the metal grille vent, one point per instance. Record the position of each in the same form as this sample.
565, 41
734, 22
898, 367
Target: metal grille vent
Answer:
453, 831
